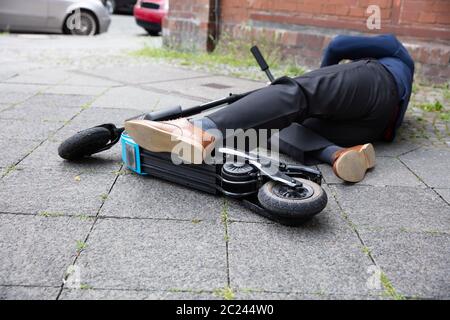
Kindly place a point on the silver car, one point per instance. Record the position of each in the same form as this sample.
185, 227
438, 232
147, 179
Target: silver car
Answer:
79, 17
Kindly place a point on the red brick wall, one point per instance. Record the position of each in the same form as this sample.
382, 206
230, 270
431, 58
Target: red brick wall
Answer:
188, 24
419, 18
304, 27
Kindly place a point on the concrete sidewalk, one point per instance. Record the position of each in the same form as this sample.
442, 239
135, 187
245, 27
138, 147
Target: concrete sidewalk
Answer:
112, 234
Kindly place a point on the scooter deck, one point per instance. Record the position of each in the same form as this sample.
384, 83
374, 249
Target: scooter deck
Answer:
201, 177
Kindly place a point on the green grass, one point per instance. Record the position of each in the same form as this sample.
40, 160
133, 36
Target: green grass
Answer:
9, 169
104, 196
432, 107
229, 54
84, 217
445, 116
85, 286
121, 172
225, 293
446, 94
193, 58
224, 215
81, 245
366, 251
389, 289
49, 214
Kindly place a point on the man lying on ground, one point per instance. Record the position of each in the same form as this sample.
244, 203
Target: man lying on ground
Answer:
347, 105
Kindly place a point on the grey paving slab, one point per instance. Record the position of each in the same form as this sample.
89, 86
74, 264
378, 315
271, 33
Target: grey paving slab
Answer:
394, 149
14, 150
39, 113
38, 191
28, 293
140, 99
417, 264
74, 294
145, 74
154, 254
71, 89
393, 207
4, 106
296, 260
445, 194
213, 87
46, 156
84, 80
93, 117
14, 97
329, 220
21, 88
36, 251
11, 66
388, 172
431, 165
27, 130
146, 197
40, 76
261, 295
59, 100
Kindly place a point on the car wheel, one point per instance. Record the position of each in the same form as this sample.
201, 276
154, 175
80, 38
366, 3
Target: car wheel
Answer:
110, 6
153, 33
81, 23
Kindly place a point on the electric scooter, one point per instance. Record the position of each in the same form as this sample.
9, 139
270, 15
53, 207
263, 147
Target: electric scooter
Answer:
288, 194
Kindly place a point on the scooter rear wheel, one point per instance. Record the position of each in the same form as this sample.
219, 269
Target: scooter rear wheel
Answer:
295, 205
84, 143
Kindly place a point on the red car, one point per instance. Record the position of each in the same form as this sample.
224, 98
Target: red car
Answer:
150, 13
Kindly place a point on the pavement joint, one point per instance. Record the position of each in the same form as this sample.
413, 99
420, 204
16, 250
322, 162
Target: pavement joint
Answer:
90, 230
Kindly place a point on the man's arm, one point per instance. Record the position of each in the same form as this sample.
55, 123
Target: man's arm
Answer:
358, 47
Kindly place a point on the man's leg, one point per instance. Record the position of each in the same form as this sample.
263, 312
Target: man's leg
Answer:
273, 107
349, 92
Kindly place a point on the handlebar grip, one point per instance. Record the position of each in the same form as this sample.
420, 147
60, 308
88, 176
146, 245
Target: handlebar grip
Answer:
259, 58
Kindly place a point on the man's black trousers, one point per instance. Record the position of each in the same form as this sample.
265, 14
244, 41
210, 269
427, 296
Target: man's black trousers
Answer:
345, 104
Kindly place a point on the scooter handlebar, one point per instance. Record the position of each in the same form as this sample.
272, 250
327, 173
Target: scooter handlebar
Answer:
262, 62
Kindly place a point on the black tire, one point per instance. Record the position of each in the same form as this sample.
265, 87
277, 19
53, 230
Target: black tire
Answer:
153, 33
291, 209
81, 23
84, 143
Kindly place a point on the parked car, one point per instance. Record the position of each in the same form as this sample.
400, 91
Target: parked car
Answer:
122, 6
78, 17
150, 13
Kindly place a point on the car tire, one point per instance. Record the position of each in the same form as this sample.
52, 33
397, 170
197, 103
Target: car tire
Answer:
110, 6
153, 33
81, 23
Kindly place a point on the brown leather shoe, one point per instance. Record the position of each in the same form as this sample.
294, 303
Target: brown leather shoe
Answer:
351, 164
179, 136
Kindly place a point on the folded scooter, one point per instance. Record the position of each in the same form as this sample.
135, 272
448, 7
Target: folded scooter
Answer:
288, 194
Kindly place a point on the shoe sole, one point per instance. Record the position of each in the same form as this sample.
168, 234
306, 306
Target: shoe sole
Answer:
353, 165
157, 140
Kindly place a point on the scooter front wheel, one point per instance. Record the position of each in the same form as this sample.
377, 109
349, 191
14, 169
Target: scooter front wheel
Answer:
84, 143
292, 205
